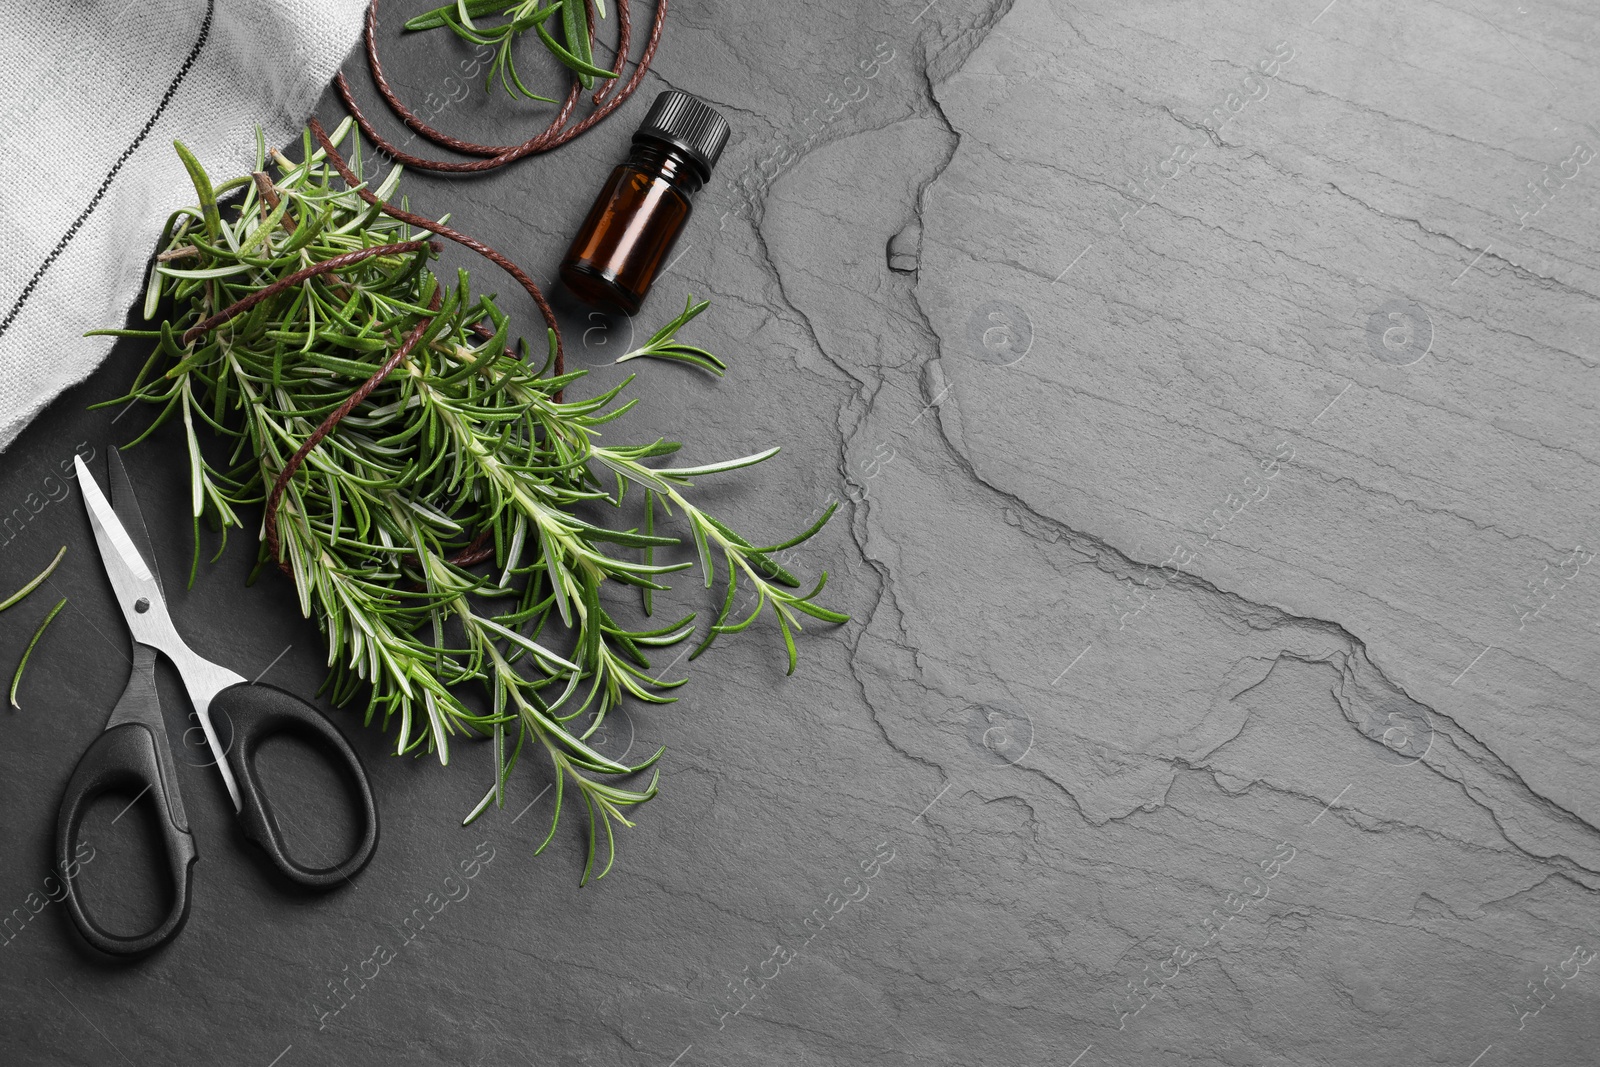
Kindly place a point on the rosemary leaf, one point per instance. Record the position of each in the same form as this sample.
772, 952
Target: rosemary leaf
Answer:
37, 580
16, 679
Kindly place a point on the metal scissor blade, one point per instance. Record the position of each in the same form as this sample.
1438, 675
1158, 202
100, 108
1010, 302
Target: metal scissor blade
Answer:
126, 505
138, 592
145, 610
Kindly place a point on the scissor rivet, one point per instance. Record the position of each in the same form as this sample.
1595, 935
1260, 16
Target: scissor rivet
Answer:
141, 605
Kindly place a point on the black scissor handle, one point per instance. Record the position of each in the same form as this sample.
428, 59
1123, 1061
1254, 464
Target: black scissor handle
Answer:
259, 712
124, 757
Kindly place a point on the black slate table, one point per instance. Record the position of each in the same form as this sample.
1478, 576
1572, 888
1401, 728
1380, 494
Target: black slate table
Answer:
1210, 391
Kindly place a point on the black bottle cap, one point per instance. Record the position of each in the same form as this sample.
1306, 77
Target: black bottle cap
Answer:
687, 123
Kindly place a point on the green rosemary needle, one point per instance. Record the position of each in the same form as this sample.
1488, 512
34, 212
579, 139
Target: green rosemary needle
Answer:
37, 580
16, 679
444, 534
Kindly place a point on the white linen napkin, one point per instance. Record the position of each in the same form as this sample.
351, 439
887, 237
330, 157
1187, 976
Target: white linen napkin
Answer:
99, 91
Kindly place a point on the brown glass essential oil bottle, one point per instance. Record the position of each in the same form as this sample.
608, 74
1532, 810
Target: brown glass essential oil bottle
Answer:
636, 219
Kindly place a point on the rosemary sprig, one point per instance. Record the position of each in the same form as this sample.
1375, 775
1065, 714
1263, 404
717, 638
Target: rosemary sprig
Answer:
572, 51
663, 344
464, 451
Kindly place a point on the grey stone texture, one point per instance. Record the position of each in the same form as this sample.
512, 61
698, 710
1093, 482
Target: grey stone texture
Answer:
1210, 395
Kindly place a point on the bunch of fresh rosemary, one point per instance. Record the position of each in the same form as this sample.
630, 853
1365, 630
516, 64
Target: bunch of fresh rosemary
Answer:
463, 451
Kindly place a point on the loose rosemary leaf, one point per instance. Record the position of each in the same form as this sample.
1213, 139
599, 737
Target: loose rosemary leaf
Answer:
34, 582
16, 679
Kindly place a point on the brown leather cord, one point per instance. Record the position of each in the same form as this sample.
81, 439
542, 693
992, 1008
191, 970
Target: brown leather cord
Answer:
553, 136
478, 551
321, 267
334, 416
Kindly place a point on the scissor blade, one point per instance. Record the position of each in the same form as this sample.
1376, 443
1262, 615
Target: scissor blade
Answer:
131, 577
123, 562
126, 505
145, 609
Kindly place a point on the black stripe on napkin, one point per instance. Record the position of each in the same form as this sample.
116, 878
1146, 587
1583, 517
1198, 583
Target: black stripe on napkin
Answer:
111, 175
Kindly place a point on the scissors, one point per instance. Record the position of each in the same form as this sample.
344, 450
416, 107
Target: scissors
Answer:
133, 752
